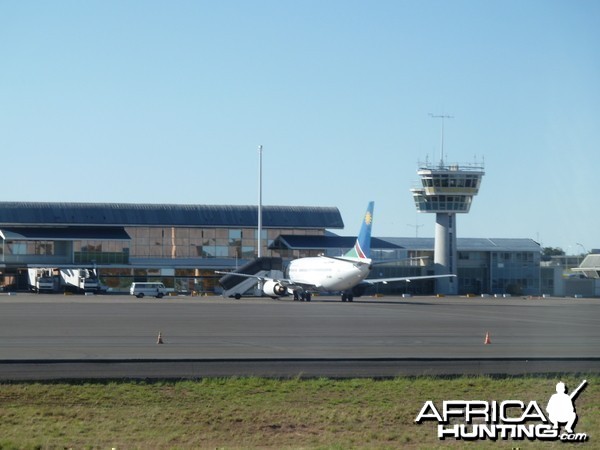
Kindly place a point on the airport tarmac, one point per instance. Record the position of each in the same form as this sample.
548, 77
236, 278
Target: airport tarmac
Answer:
55, 336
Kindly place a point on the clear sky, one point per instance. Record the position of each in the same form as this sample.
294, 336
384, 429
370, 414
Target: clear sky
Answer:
167, 102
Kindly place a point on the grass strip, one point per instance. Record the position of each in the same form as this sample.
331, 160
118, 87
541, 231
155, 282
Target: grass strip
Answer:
257, 413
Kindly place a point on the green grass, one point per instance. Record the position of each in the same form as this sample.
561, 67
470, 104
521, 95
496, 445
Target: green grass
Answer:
250, 413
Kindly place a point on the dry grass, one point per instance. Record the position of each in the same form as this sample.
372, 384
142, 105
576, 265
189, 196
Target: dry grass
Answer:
260, 413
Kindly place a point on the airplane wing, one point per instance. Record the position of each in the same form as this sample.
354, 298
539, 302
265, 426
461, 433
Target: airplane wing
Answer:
408, 279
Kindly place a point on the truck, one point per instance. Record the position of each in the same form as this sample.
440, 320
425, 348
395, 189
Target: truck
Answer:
80, 280
41, 280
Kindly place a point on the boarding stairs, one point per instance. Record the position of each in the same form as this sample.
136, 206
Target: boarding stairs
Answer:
237, 286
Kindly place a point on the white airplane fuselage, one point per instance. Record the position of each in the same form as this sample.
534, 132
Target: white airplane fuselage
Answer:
334, 274
328, 274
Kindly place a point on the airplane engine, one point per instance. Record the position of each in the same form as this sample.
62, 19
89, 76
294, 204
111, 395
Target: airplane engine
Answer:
272, 288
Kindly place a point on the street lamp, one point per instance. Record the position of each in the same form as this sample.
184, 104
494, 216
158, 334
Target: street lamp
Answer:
259, 252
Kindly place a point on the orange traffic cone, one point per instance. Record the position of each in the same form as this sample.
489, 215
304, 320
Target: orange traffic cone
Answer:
159, 340
487, 339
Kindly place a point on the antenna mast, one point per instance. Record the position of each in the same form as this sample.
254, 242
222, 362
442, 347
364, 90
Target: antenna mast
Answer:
416, 227
441, 116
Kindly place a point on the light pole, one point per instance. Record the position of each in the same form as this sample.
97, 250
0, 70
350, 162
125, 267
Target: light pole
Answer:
259, 252
259, 284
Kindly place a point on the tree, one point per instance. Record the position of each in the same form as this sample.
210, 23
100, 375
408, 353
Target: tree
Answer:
548, 252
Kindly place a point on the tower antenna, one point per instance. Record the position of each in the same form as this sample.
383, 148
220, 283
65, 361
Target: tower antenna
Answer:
416, 227
441, 116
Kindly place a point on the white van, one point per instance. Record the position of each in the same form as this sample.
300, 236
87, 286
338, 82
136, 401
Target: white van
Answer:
140, 290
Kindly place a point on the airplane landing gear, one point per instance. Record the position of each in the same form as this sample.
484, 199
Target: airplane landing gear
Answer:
347, 296
302, 296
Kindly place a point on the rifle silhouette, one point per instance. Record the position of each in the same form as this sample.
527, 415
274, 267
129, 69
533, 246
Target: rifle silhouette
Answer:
574, 394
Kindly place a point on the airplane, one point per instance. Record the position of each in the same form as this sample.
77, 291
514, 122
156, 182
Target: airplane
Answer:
322, 273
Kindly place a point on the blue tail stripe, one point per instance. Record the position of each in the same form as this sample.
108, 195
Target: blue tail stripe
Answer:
362, 247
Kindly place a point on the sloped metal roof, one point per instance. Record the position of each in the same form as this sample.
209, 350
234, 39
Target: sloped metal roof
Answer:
426, 244
128, 214
471, 244
64, 234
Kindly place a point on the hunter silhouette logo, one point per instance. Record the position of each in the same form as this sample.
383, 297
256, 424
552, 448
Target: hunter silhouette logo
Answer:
560, 406
508, 419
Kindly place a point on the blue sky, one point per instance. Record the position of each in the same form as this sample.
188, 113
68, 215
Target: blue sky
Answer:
167, 102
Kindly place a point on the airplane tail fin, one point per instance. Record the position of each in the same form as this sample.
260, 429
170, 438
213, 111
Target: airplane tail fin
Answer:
362, 247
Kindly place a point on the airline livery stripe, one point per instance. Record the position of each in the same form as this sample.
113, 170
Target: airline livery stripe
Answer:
359, 251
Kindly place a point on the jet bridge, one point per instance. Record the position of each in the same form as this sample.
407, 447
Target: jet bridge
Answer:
236, 286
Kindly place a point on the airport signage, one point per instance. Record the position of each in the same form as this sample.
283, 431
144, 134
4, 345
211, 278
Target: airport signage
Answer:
471, 420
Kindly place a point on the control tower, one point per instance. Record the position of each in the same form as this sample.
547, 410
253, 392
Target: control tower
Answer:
446, 190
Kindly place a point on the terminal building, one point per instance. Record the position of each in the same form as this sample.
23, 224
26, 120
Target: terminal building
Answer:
182, 246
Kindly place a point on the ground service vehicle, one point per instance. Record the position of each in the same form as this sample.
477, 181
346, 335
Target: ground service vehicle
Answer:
140, 290
79, 280
41, 280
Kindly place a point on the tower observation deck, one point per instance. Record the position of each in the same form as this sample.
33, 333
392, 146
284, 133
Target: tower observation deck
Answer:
446, 190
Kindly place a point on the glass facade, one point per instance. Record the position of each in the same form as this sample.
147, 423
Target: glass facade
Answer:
100, 252
116, 259
516, 273
43, 252
441, 203
234, 243
151, 243
457, 182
